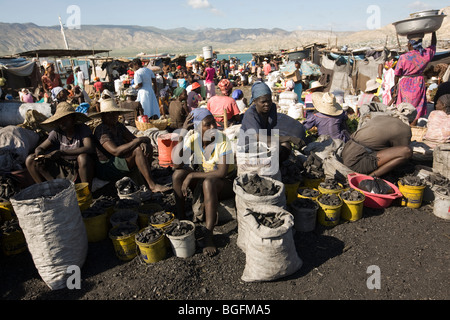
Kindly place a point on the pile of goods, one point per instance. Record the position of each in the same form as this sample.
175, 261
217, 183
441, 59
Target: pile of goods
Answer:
411, 180
330, 184
309, 193
330, 199
179, 228
271, 220
123, 230
352, 195
261, 187
126, 186
148, 235
159, 218
313, 167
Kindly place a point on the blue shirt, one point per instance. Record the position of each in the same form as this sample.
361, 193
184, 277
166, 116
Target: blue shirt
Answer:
333, 126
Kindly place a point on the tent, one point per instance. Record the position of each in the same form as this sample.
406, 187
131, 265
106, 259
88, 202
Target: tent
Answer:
19, 73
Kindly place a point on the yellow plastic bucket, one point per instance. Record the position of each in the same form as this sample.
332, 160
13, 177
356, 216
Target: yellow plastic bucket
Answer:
331, 191
329, 216
291, 192
84, 196
412, 195
144, 217
352, 210
163, 227
97, 227
124, 246
299, 193
153, 252
6, 211
311, 183
13, 242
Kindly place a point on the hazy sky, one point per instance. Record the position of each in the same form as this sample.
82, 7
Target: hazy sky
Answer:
344, 15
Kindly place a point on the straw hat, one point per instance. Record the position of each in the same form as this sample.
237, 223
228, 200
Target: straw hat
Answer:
64, 109
326, 103
315, 85
109, 105
372, 85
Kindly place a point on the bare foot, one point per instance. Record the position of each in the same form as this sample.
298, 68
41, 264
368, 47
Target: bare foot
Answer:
160, 188
210, 248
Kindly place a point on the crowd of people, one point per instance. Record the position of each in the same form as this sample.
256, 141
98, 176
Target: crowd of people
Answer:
204, 98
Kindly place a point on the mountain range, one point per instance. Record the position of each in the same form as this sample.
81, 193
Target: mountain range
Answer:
131, 40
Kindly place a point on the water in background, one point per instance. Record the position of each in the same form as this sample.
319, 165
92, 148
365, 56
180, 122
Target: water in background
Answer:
243, 57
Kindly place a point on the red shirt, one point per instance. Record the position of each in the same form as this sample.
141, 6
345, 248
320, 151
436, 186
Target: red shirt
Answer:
130, 73
52, 84
217, 104
98, 86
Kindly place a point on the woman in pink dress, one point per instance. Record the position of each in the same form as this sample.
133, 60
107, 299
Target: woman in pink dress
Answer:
209, 76
409, 75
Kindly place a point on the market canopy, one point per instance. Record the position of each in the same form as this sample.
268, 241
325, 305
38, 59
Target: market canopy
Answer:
59, 53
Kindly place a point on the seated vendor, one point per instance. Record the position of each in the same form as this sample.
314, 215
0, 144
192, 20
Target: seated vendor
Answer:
69, 150
438, 125
178, 109
329, 117
118, 150
261, 118
381, 145
216, 170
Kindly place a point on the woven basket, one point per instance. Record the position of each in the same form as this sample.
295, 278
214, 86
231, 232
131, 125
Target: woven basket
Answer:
158, 124
418, 133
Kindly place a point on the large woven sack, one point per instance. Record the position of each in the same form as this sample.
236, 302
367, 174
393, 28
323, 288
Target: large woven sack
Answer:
270, 253
51, 221
246, 201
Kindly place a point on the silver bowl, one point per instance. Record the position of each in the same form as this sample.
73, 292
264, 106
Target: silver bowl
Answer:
425, 24
425, 13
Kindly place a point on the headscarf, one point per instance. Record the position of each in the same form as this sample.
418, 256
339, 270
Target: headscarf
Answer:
237, 94
417, 45
225, 86
200, 114
164, 93
259, 89
178, 91
56, 91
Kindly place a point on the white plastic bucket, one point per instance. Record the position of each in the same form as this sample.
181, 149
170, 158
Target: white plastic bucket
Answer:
441, 205
207, 52
183, 246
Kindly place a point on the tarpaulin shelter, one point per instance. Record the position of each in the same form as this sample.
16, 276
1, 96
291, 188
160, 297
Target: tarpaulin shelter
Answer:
19, 73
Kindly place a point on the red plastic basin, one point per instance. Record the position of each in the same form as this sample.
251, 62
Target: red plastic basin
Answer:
373, 200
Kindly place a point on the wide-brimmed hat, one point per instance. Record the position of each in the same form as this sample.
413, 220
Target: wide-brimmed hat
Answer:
315, 85
64, 109
372, 85
109, 105
326, 103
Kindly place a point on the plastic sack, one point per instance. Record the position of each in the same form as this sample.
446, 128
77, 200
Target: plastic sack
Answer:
51, 221
253, 202
270, 252
377, 185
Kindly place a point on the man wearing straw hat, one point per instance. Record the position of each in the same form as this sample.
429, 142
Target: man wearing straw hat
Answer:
118, 150
329, 117
74, 149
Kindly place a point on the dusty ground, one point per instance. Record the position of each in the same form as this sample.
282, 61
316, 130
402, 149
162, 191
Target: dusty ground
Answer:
410, 247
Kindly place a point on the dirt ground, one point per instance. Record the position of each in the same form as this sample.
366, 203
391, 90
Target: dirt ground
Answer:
409, 246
